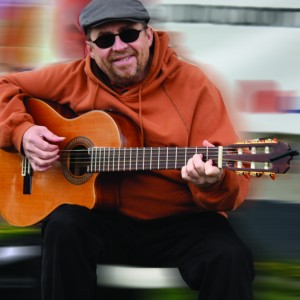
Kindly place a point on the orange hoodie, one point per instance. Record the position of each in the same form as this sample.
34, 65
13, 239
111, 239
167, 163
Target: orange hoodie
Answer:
176, 106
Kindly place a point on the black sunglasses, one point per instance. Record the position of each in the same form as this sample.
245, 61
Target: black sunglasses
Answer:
127, 36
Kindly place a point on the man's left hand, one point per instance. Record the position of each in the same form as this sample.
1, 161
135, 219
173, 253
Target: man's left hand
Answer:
199, 172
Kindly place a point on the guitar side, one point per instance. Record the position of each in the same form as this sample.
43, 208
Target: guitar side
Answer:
54, 187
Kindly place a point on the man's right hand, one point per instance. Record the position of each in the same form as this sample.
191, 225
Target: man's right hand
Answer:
40, 148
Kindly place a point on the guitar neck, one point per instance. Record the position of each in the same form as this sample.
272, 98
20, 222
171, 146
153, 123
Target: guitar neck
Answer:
148, 158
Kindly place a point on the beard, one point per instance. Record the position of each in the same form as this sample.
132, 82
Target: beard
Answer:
130, 74
123, 76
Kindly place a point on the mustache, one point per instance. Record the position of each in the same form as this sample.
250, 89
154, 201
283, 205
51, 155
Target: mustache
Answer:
118, 55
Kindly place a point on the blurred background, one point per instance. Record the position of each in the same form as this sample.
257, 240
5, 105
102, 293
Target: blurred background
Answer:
250, 49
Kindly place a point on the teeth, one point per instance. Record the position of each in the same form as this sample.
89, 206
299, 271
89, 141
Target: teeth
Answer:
122, 59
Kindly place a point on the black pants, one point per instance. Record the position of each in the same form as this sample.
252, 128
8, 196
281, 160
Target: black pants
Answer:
210, 256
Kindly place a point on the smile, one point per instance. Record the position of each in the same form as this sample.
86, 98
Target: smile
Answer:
124, 60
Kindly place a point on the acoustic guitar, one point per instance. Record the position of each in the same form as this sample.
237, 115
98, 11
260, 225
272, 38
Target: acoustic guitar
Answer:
99, 142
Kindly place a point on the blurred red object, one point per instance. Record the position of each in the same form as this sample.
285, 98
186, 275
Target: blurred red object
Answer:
70, 41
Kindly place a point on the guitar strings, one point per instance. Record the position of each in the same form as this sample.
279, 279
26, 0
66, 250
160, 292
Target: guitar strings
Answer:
161, 162
166, 149
104, 153
213, 149
139, 158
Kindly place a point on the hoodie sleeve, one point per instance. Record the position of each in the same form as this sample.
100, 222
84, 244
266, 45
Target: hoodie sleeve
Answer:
58, 82
14, 120
230, 191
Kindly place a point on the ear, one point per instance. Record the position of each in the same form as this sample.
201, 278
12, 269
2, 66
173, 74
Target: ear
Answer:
89, 48
149, 32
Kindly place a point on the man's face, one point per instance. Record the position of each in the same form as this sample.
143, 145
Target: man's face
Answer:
124, 63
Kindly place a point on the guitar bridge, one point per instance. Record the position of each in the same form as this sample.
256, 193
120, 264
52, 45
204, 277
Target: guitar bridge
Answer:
27, 173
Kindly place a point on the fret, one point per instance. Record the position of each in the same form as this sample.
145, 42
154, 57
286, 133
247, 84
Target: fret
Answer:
108, 160
180, 156
104, 157
97, 158
163, 157
191, 152
100, 158
119, 152
94, 168
171, 158
93, 162
175, 165
124, 159
130, 153
101, 154
151, 158
128, 163
114, 155
147, 154
148, 158
158, 158
167, 158
143, 158
136, 159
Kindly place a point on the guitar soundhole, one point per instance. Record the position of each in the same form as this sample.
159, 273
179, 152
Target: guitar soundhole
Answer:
78, 161
75, 160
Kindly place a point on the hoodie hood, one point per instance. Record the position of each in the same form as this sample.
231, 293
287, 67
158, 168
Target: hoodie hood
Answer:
164, 62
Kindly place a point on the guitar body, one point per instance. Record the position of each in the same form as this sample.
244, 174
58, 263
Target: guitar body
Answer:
61, 184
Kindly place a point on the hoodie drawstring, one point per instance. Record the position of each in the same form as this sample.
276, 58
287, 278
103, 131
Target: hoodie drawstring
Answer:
140, 114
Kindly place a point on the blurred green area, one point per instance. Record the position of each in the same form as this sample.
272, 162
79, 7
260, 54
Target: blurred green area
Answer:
274, 281
277, 280
11, 232
8, 232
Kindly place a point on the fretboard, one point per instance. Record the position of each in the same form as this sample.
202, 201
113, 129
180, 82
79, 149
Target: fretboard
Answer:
133, 159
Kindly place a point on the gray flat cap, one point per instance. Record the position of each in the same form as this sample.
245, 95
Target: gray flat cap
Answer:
98, 12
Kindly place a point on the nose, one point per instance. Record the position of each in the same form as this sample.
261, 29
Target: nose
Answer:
119, 44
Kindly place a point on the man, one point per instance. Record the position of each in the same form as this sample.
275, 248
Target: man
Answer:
167, 218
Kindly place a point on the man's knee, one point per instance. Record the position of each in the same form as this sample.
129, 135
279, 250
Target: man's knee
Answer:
233, 262
64, 223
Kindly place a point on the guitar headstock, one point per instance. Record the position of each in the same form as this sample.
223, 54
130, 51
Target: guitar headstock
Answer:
258, 157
